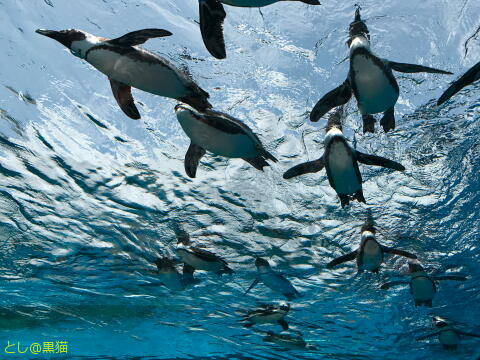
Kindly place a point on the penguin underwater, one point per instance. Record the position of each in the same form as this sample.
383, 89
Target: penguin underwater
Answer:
472, 75
128, 65
273, 280
268, 314
200, 259
341, 163
422, 285
169, 276
448, 336
212, 15
220, 134
371, 80
369, 255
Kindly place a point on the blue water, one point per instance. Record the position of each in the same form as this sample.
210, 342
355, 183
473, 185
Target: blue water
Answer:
89, 197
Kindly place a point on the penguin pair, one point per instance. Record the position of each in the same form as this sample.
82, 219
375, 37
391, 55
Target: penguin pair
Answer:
341, 162
370, 255
127, 65
212, 15
448, 335
273, 280
422, 286
370, 79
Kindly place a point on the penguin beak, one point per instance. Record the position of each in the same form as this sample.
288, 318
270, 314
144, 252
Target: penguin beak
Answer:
49, 33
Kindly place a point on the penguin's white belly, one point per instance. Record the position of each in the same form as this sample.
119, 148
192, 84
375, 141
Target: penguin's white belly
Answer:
375, 92
237, 145
199, 264
248, 3
342, 170
171, 280
448, 337
266, 319
277, 283
372, 256
422, 289
154, 78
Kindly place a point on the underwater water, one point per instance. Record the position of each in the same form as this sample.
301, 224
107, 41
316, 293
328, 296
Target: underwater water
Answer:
89, 198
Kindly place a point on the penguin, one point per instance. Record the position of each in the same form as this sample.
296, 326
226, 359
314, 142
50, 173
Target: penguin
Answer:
341, 163
371, 80
448, 336
220, 134
472, 75
127, 65
422, 285
369, 255
212, 15
288, 341
273, 280
200, 259
168, 274
268, 314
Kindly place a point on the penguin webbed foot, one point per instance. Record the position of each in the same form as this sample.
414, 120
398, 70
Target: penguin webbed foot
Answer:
368, 123
388, 120
258, 163
359, 196
344, 200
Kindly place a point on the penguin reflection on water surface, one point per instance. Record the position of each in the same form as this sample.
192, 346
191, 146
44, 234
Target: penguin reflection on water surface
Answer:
341, 162
472, 75
273, 280
220, 134
448, 336
128, 65
422, 285
371, 80
369, 255
268, 314
212, 15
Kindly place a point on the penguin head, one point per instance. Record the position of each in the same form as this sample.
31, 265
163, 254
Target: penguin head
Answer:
439, 322
77, 41
261, 263
183, 110
335, 119
285, 307
414, 267
358, 28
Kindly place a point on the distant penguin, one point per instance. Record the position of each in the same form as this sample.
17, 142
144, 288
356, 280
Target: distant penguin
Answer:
273, 280
448, 336
200, 259
212, 15
422, 285
168, 274
128, 65
369, 255
472, 75
371, 80
268, 314
288, 341
222, 135
341, 163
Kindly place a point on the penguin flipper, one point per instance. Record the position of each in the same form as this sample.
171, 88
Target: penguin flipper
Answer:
378, 161
473, 74
283, 324
428, 336
342, 259
192, 158
412, 68
139, 37
336, 97
305, 168
390, 284
450, 277
467, 334
398, 252
123, 95
212, 15
255, 282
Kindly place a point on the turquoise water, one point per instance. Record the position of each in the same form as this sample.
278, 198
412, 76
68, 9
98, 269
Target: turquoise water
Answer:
89, 198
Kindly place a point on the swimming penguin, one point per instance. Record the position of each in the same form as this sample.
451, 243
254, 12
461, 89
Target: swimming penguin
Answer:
268, 314
220, 134
273, 280
200, 259
448, 336
128, 65
212, 15
370, 254
422, 285
168, 274
371, 80
341, 163
288, 341
469, 77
